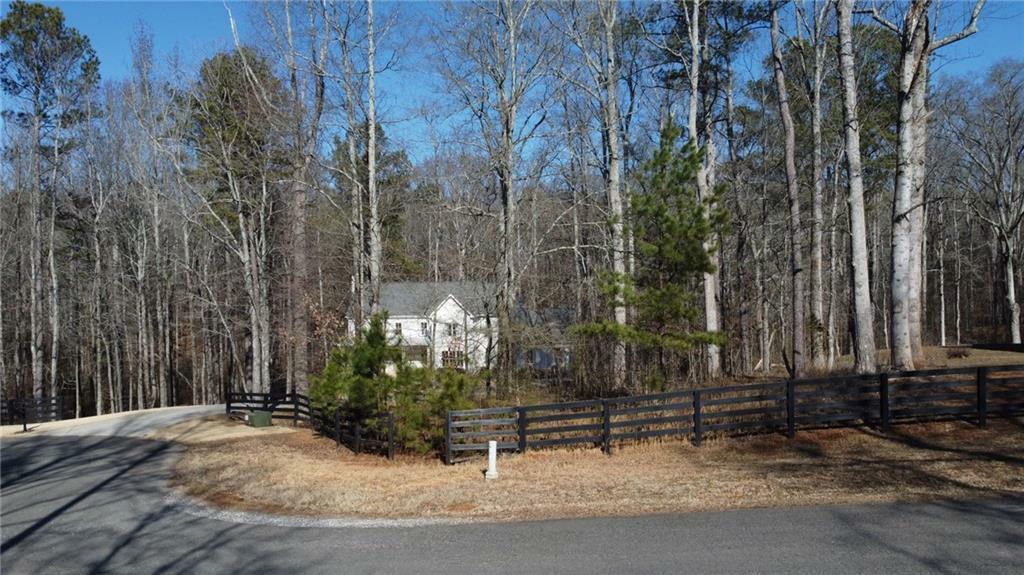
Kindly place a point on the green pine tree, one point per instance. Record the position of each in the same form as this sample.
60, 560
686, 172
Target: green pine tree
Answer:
674, 235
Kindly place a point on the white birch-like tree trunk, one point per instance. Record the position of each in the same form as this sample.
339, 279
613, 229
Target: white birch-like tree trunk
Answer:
918, 261
609, 13
1009, 277
865, 355
817, 296
916, 48
692, 11
901, 254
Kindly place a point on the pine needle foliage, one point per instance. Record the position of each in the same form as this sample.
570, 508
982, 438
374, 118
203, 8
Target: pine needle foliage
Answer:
372, 376
675, 240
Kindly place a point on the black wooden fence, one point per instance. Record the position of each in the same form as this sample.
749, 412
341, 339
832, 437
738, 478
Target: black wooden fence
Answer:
27, 410
362, 433
877, 399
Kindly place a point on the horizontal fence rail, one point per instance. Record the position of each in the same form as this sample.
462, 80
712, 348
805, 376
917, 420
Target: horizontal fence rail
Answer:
847, 400
27, 410
362, 433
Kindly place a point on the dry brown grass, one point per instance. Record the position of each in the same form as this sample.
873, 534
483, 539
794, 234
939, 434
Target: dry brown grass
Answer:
935, 358
214, 428
302, 473
940, 357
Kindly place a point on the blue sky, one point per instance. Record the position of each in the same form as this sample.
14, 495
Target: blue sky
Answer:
198, 28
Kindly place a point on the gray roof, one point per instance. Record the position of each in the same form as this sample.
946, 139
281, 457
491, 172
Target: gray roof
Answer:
422, 298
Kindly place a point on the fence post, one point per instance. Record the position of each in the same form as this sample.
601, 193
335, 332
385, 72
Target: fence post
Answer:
391, 435
790, 409
606, 429
698, 425
295, 409
337, 425
227, 406
982, 381
883, 400
448, 438
522, 429
24, 417
357, 432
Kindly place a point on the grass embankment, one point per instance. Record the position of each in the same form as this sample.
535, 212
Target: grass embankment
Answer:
301, 473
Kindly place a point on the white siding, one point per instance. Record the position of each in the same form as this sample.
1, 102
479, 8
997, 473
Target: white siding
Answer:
470, 338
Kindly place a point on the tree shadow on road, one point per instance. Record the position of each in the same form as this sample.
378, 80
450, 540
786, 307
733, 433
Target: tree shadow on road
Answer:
99, 505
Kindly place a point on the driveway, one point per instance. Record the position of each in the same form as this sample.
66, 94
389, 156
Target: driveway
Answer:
98, 504
128, 424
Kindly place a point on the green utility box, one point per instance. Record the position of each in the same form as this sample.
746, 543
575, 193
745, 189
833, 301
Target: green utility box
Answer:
260, 419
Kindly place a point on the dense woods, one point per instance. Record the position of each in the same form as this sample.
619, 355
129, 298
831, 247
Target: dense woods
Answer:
665, 192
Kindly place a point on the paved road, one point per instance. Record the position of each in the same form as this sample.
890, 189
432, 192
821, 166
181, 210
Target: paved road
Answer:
129, 424
98, 505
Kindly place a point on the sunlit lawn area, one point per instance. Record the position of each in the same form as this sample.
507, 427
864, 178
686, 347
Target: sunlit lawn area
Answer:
301, 473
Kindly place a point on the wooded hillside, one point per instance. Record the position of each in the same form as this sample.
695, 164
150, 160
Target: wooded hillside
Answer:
693, 189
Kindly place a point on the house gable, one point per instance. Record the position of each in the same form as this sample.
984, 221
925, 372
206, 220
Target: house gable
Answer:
450, 309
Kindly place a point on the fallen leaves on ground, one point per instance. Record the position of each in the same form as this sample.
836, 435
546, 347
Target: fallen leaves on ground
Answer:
306, 474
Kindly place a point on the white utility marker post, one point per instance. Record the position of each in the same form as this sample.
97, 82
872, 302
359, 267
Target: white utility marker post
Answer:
492, 460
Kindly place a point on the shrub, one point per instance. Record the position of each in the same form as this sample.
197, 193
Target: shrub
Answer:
958, 352
330, 389
356, 377
421, 414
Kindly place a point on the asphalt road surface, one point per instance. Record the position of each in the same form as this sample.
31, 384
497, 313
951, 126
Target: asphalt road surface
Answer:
128, 424
99, 504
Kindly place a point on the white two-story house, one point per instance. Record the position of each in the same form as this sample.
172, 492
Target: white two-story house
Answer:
444, 324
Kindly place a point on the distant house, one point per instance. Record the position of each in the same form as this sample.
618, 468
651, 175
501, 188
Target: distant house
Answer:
444, 324
547, 348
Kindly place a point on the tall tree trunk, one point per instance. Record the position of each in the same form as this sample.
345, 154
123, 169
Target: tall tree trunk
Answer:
299, 310
831, 344
902, 261
742, 239
817, 217
78, 382
942, 292
608, 9
865, 358
97, 306
376, 232
305, 148
508, 109
916, 47
190, 294
54, 299
356, 210
160, 307
918, 261
693, 11
1009, 277
35, 266
793, 187
254, 291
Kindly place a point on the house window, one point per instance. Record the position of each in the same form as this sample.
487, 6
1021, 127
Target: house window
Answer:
417, 353
423, 329
451, 358
453, 330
